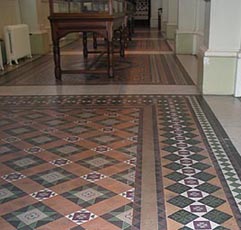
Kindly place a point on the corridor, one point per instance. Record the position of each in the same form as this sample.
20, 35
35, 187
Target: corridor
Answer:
143, 150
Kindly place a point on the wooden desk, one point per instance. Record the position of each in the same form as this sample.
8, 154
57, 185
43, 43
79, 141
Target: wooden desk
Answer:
101, 23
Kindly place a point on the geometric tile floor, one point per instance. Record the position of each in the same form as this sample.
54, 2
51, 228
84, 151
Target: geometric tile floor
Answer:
76, 162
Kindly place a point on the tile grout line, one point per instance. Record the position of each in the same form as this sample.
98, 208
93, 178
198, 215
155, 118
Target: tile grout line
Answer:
149, 216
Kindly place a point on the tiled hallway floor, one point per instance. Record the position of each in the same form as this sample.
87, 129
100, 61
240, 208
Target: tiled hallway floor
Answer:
119, 156
115, 162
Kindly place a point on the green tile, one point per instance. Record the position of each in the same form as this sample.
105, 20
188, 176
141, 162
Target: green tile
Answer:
88, 195
171, 149
117, 217
188, 129
204, 176
178, 188
41, 139
238, 196
67, 150
190, 135
192, 142
170, 142
237, 185
176, 176
183, 217
168, 135
194, 149
237, 190
208, 188
197, 157
10, 192
180, 201
172, 157
174, 166
31, 217
53, 177
217, 216
212, 201
201, 166
24, 162
231, 174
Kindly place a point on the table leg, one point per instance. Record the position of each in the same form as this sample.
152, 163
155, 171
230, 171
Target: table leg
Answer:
85, 44
56, 51
95, 41
122, 42
110, 58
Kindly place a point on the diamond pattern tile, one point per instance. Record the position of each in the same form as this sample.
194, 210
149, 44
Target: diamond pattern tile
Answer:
24, 162
52, 177
10, 192
97, 162
7, 148
180, 201
43, 194
77, 161
41, 139
67, 150
121, 217
88, 195
183, 217
217, 216
81, 216
32, 216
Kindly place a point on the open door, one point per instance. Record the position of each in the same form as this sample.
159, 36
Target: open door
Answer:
143, 13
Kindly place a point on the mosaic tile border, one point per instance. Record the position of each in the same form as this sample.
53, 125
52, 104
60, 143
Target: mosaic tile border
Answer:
160, 190
224, 153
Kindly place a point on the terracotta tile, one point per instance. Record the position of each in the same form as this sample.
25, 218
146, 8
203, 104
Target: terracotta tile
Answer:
61, 205
60, 224
16, 204
113, 185
28, 185
98, 224
111, 170
108, 205
5, 170
77, 169
37, 169
5, 225
69, 185
118, 156
85, 154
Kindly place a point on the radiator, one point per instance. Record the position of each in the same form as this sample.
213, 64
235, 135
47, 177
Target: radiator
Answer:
17, 42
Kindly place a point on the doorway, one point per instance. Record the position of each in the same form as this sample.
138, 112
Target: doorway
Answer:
143, 13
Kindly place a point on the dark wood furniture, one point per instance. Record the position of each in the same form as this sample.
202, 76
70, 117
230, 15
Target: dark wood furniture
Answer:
99, 17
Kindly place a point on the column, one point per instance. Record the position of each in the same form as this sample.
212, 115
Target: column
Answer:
190, 32
218, 59
171, 19
237, 92
155, 5
164, 15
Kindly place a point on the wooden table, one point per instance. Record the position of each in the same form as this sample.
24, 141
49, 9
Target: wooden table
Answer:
103, 23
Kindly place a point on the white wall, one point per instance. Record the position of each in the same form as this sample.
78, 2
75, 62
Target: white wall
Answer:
9, 14
225, 28
28, 10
